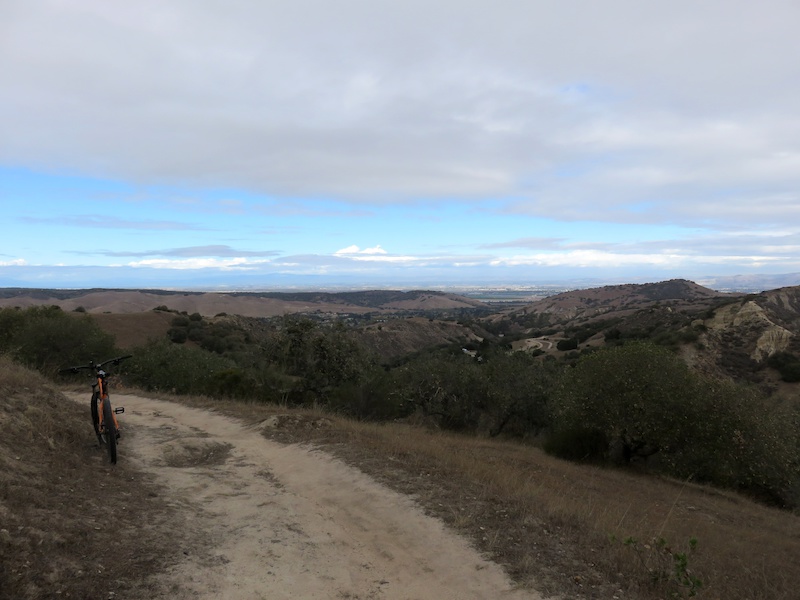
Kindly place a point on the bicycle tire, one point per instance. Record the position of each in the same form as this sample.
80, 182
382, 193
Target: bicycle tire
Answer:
110, 431
96, 418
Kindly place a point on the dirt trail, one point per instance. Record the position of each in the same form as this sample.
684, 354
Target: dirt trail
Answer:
291, 522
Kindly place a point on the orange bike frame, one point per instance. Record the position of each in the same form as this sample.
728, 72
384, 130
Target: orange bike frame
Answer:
103, 397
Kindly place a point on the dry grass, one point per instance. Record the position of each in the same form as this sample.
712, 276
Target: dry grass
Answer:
562, 527
71, 526
134, 329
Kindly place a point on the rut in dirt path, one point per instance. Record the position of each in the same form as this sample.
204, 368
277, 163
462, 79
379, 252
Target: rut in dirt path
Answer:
290, 522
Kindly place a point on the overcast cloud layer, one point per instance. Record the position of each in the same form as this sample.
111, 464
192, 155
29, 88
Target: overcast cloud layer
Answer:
506, 140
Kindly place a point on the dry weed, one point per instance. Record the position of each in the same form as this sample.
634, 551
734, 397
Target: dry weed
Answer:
577, 530
70, 525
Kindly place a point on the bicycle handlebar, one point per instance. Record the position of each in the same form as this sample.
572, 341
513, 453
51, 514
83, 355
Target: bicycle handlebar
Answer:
92, 366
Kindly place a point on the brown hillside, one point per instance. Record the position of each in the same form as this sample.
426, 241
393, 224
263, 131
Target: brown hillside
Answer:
742, 335
723, 335
624, 298
135, 329
395, 338
245, 304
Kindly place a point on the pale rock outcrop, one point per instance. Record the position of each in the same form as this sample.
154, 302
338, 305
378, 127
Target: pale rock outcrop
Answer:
772, 339
751, 315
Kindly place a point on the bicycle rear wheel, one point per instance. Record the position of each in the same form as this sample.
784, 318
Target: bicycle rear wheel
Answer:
96, 418
110, 431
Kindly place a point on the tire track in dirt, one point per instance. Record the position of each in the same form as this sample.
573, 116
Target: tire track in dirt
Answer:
292, 522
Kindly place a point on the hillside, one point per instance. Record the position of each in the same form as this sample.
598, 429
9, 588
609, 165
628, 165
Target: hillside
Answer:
557, 527
255, 304
743, 338
752, 338
394, 338
623, 299
592, 318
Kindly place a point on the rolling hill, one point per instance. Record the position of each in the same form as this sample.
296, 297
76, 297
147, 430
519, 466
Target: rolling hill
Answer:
747, 337
249, 304
624, 299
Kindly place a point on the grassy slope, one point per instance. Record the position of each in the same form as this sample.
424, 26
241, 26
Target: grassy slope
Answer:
71, 526
562, 527
556, 526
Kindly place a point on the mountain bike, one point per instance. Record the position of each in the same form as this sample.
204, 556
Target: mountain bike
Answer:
104, 417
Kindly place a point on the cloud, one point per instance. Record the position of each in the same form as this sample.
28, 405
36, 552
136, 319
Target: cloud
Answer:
530, 242
355, 250
311, 116
214, 250
354, 254
369, 103
222, 264
596, 259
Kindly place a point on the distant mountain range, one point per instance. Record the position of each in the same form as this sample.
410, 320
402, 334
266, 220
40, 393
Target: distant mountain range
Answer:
750, 283
249, 304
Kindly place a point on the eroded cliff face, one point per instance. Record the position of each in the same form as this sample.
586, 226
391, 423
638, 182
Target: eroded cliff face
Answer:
774, 339
757, 331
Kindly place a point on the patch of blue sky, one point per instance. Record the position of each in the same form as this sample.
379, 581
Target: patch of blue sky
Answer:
591, 95
40, 192
67, 219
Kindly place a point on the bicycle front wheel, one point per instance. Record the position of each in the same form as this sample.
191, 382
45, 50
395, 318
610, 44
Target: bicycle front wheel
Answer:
110, 431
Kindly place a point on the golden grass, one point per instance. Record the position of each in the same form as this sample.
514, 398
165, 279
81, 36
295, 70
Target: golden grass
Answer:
57, 498
575, 530
745, 550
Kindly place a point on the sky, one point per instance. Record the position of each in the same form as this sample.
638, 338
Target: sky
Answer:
370, 143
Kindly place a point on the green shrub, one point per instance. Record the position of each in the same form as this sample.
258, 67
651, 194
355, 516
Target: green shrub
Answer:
507, 394
47, 339
787, 364
180, 369
177, 335
646, 401
568, 344
372, 398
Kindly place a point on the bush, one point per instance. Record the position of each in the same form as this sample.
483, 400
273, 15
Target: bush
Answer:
787, 364
568, 344
47, 339
631, 393
507, 394
372, 398
180, 321
177, 335
446, 389
179, 369
644, 400
321, 359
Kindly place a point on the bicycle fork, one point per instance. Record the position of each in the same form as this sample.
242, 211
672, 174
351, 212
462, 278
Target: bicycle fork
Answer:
117, 411
103, 395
